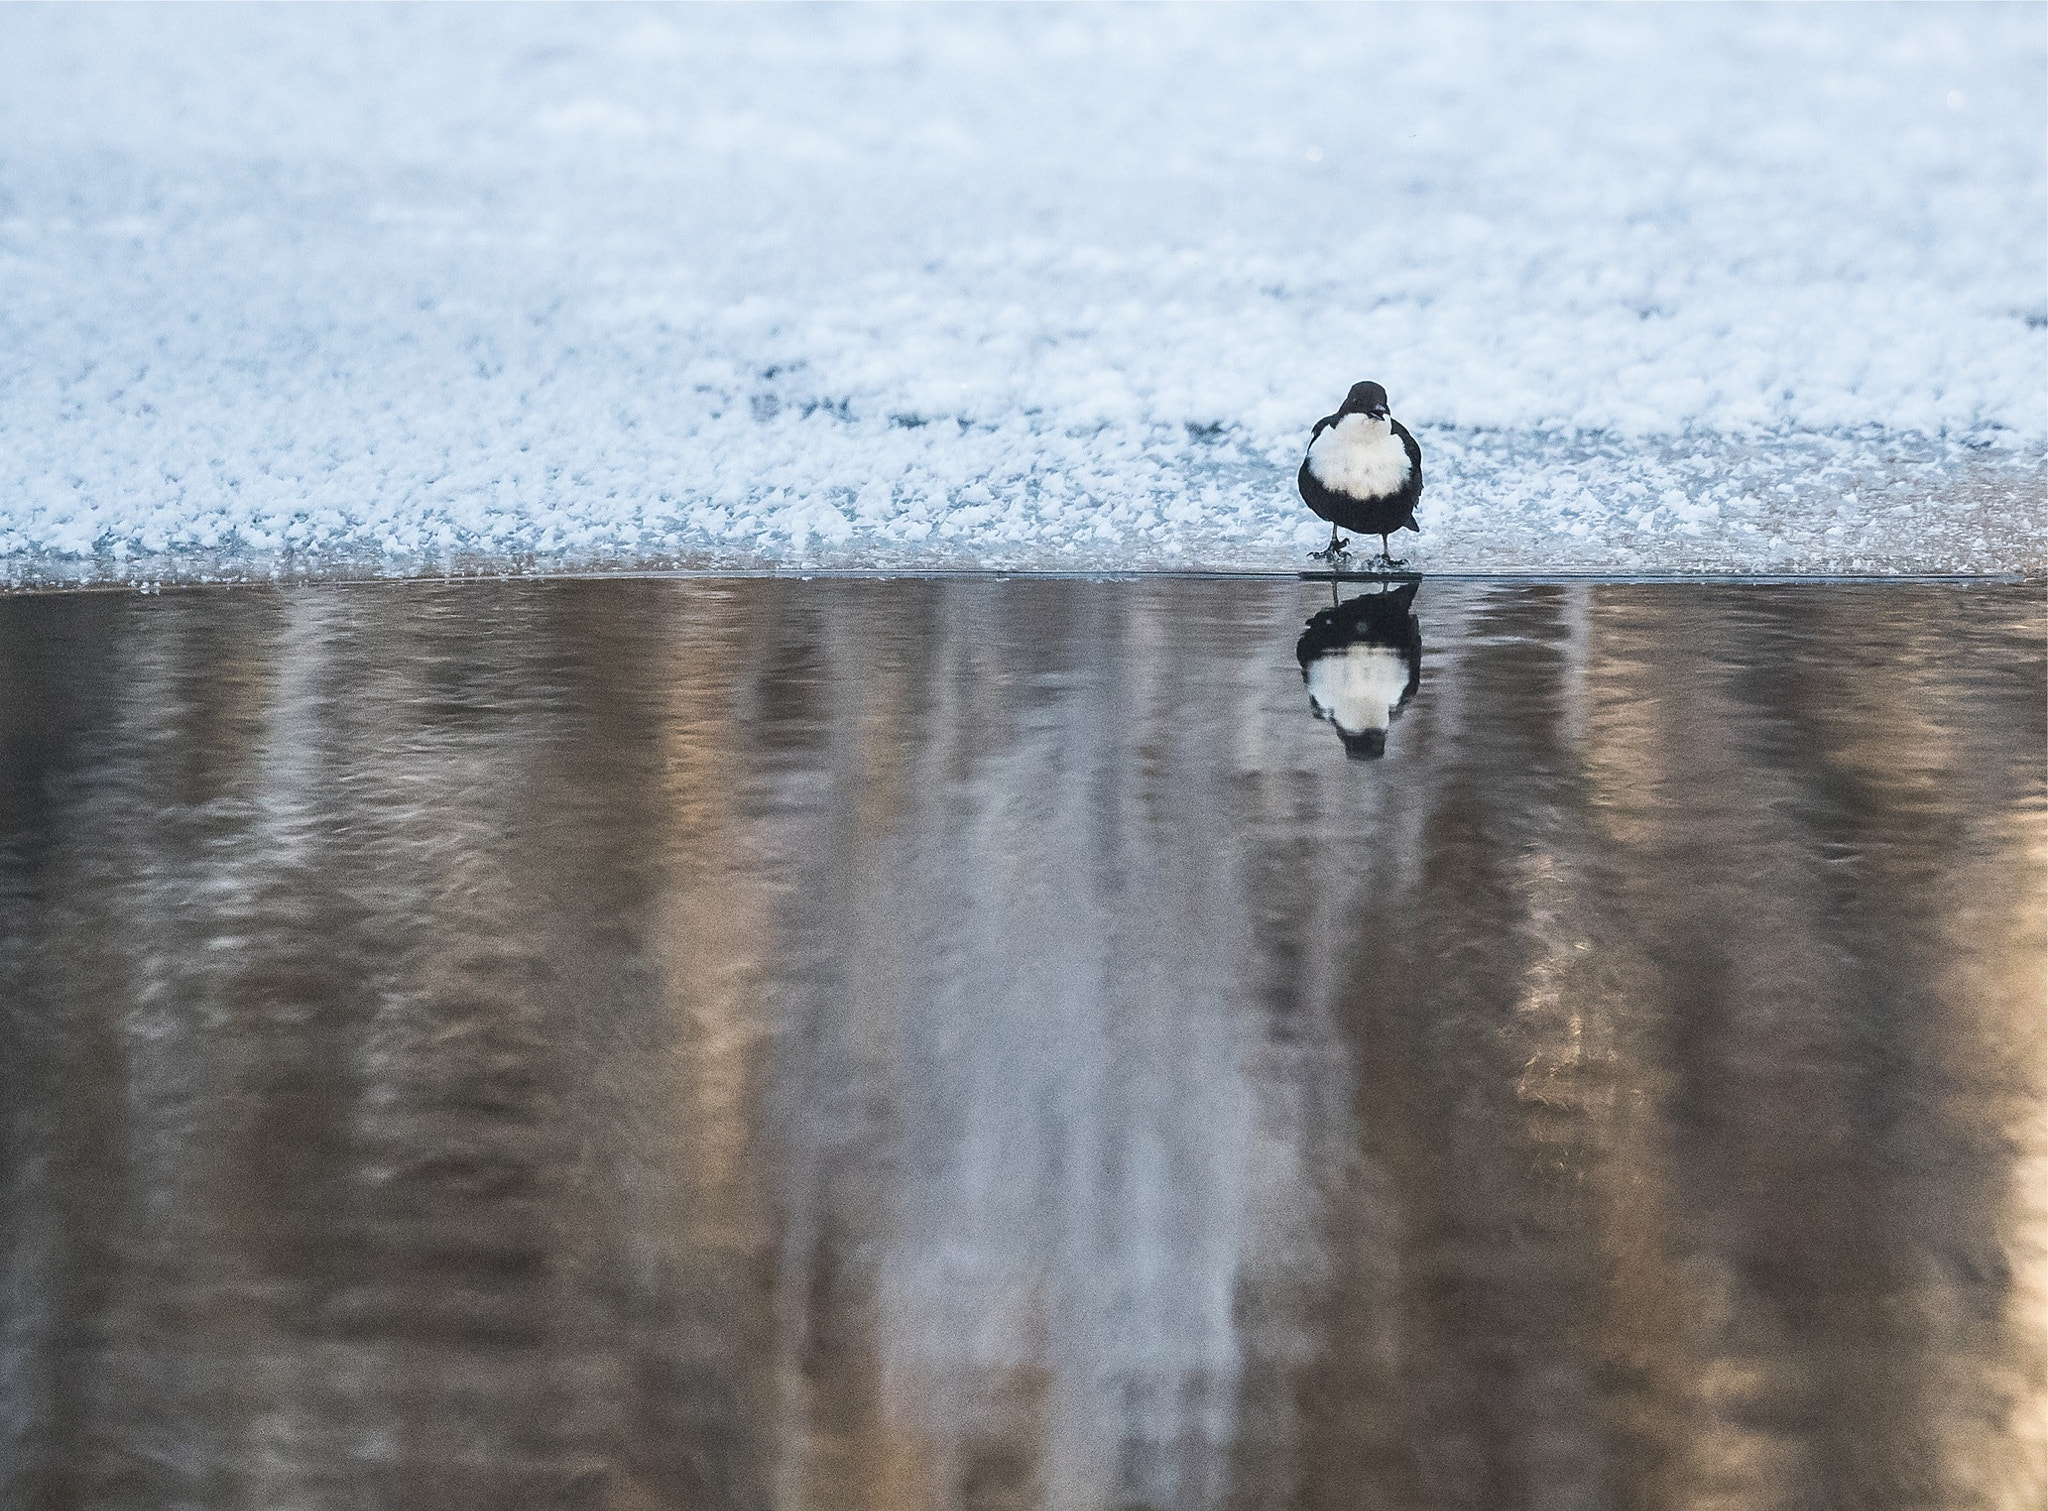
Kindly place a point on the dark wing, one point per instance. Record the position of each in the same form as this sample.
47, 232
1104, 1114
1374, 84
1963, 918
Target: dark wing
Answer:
1321, 425
1414, 454
1411, 652
1414, 473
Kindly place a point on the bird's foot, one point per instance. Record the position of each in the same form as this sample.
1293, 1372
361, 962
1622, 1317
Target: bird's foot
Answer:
1390, 563
1333, 553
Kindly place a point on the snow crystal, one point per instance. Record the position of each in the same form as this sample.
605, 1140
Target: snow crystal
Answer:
1658, 289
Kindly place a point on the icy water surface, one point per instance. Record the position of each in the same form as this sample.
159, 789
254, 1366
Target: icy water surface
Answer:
965, 1043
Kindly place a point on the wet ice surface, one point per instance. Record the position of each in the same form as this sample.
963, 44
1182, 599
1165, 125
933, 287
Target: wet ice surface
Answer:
974, 1044
367, 290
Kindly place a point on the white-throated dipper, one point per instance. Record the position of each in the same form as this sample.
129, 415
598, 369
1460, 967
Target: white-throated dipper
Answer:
1363, 472
1362, 661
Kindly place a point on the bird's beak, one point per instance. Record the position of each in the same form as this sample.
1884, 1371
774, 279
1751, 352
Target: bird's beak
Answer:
1378, 411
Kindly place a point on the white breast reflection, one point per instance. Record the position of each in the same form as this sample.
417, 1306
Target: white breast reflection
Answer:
1362, 661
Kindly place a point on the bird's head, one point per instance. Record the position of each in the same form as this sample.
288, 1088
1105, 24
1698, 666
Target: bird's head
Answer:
1364, 744
1368, 399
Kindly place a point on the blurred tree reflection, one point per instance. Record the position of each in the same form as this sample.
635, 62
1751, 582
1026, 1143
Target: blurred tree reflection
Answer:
979, 1044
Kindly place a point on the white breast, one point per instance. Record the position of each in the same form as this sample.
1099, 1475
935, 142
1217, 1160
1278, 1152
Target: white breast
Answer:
1360, 458
1356, 688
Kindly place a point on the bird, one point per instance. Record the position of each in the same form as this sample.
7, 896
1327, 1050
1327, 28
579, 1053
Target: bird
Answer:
1362, 473
1362, 661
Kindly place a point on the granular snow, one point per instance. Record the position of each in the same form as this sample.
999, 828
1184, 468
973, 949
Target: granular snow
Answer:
1658, 289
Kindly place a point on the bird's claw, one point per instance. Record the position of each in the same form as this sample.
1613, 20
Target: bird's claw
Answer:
1332, 553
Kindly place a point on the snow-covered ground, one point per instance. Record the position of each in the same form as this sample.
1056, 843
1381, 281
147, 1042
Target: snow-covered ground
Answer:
1659, 288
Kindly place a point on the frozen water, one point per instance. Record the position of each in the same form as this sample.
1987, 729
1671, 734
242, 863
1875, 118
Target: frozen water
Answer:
390, 290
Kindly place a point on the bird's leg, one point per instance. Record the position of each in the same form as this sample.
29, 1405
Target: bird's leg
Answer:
1333, 552
1387, 557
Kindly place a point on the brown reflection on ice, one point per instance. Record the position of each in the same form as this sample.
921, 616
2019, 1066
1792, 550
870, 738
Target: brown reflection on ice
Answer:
974, 1044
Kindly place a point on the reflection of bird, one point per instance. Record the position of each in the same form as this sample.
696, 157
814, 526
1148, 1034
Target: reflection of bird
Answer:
1362, 661
1363, 472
